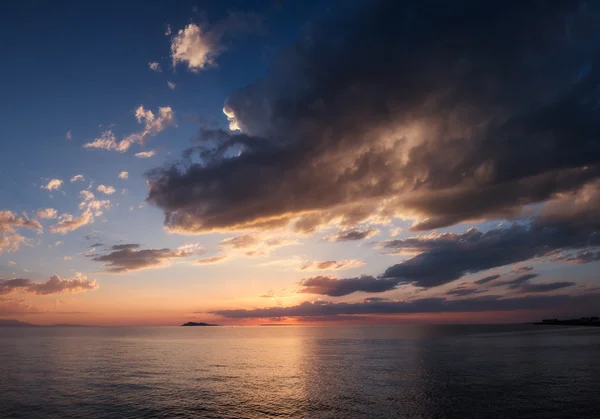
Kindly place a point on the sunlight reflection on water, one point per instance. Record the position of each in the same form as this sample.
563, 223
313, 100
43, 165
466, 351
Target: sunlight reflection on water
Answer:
300, 372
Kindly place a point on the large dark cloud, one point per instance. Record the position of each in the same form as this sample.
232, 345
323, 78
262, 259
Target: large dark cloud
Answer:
126, 258
449, 111
326, 285
54, 285
548, 303
564, 224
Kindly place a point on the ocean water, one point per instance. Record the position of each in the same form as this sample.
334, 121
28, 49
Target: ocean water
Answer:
301, 372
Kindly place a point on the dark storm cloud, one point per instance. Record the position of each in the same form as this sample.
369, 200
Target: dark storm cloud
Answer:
563, 225
326, 285
449, 111
126, 258
351, 235
555, 303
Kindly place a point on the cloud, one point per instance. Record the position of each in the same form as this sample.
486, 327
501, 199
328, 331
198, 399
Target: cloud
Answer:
108, 190
10, 240
585, 256
54, 285
366, 118
12, 307
68, 258
128, 258
254, 244
197, 45
145, 154
53, 185
171, 85
326, 285
124, 175
46, 213
328, 265
211, 260
68, 135
546, 303
153, 125
350, 235
67, 222
487, 279
515, 282
77, 178
154, 66
90, 208
551, 286
107, 141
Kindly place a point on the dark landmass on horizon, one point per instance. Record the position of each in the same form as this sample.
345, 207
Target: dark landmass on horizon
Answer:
198, 324
583, 321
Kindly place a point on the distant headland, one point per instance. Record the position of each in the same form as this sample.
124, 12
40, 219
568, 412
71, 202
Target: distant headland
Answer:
198, 324
583, 321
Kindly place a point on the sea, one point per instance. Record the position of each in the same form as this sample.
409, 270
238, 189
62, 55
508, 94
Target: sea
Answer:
392, 371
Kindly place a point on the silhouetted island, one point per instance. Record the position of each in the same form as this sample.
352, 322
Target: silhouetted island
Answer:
583, 321
198, 324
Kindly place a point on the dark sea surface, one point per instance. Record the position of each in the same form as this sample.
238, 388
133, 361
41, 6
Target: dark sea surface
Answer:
517, 371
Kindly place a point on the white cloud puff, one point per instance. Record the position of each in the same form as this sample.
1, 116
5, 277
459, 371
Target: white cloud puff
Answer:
53, 185
108, 190
77, 178
124, 175
154, 66
145, 154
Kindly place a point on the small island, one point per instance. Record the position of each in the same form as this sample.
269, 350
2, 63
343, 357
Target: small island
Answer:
583, 321
198, 324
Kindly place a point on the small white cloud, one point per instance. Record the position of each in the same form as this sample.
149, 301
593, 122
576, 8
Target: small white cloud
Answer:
145, 154
124, 175
77, 178
11, 263
87, 195
194, 47
171, 85
67, 258
155, 67
68, 136
168, 30
58, 243
47, 213
108, 190
53, 185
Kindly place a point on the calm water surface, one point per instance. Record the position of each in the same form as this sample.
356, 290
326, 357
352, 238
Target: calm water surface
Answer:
301, 372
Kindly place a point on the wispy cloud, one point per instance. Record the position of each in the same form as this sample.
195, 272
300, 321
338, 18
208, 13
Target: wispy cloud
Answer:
124, 175
68, 135
77, 178
10, 240
145, 154
55, 285
171, 85
128, 257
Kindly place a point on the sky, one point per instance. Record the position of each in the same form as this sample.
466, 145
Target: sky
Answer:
250, 162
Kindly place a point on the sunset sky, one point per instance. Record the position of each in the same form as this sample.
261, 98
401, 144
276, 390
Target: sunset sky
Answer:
299, 161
